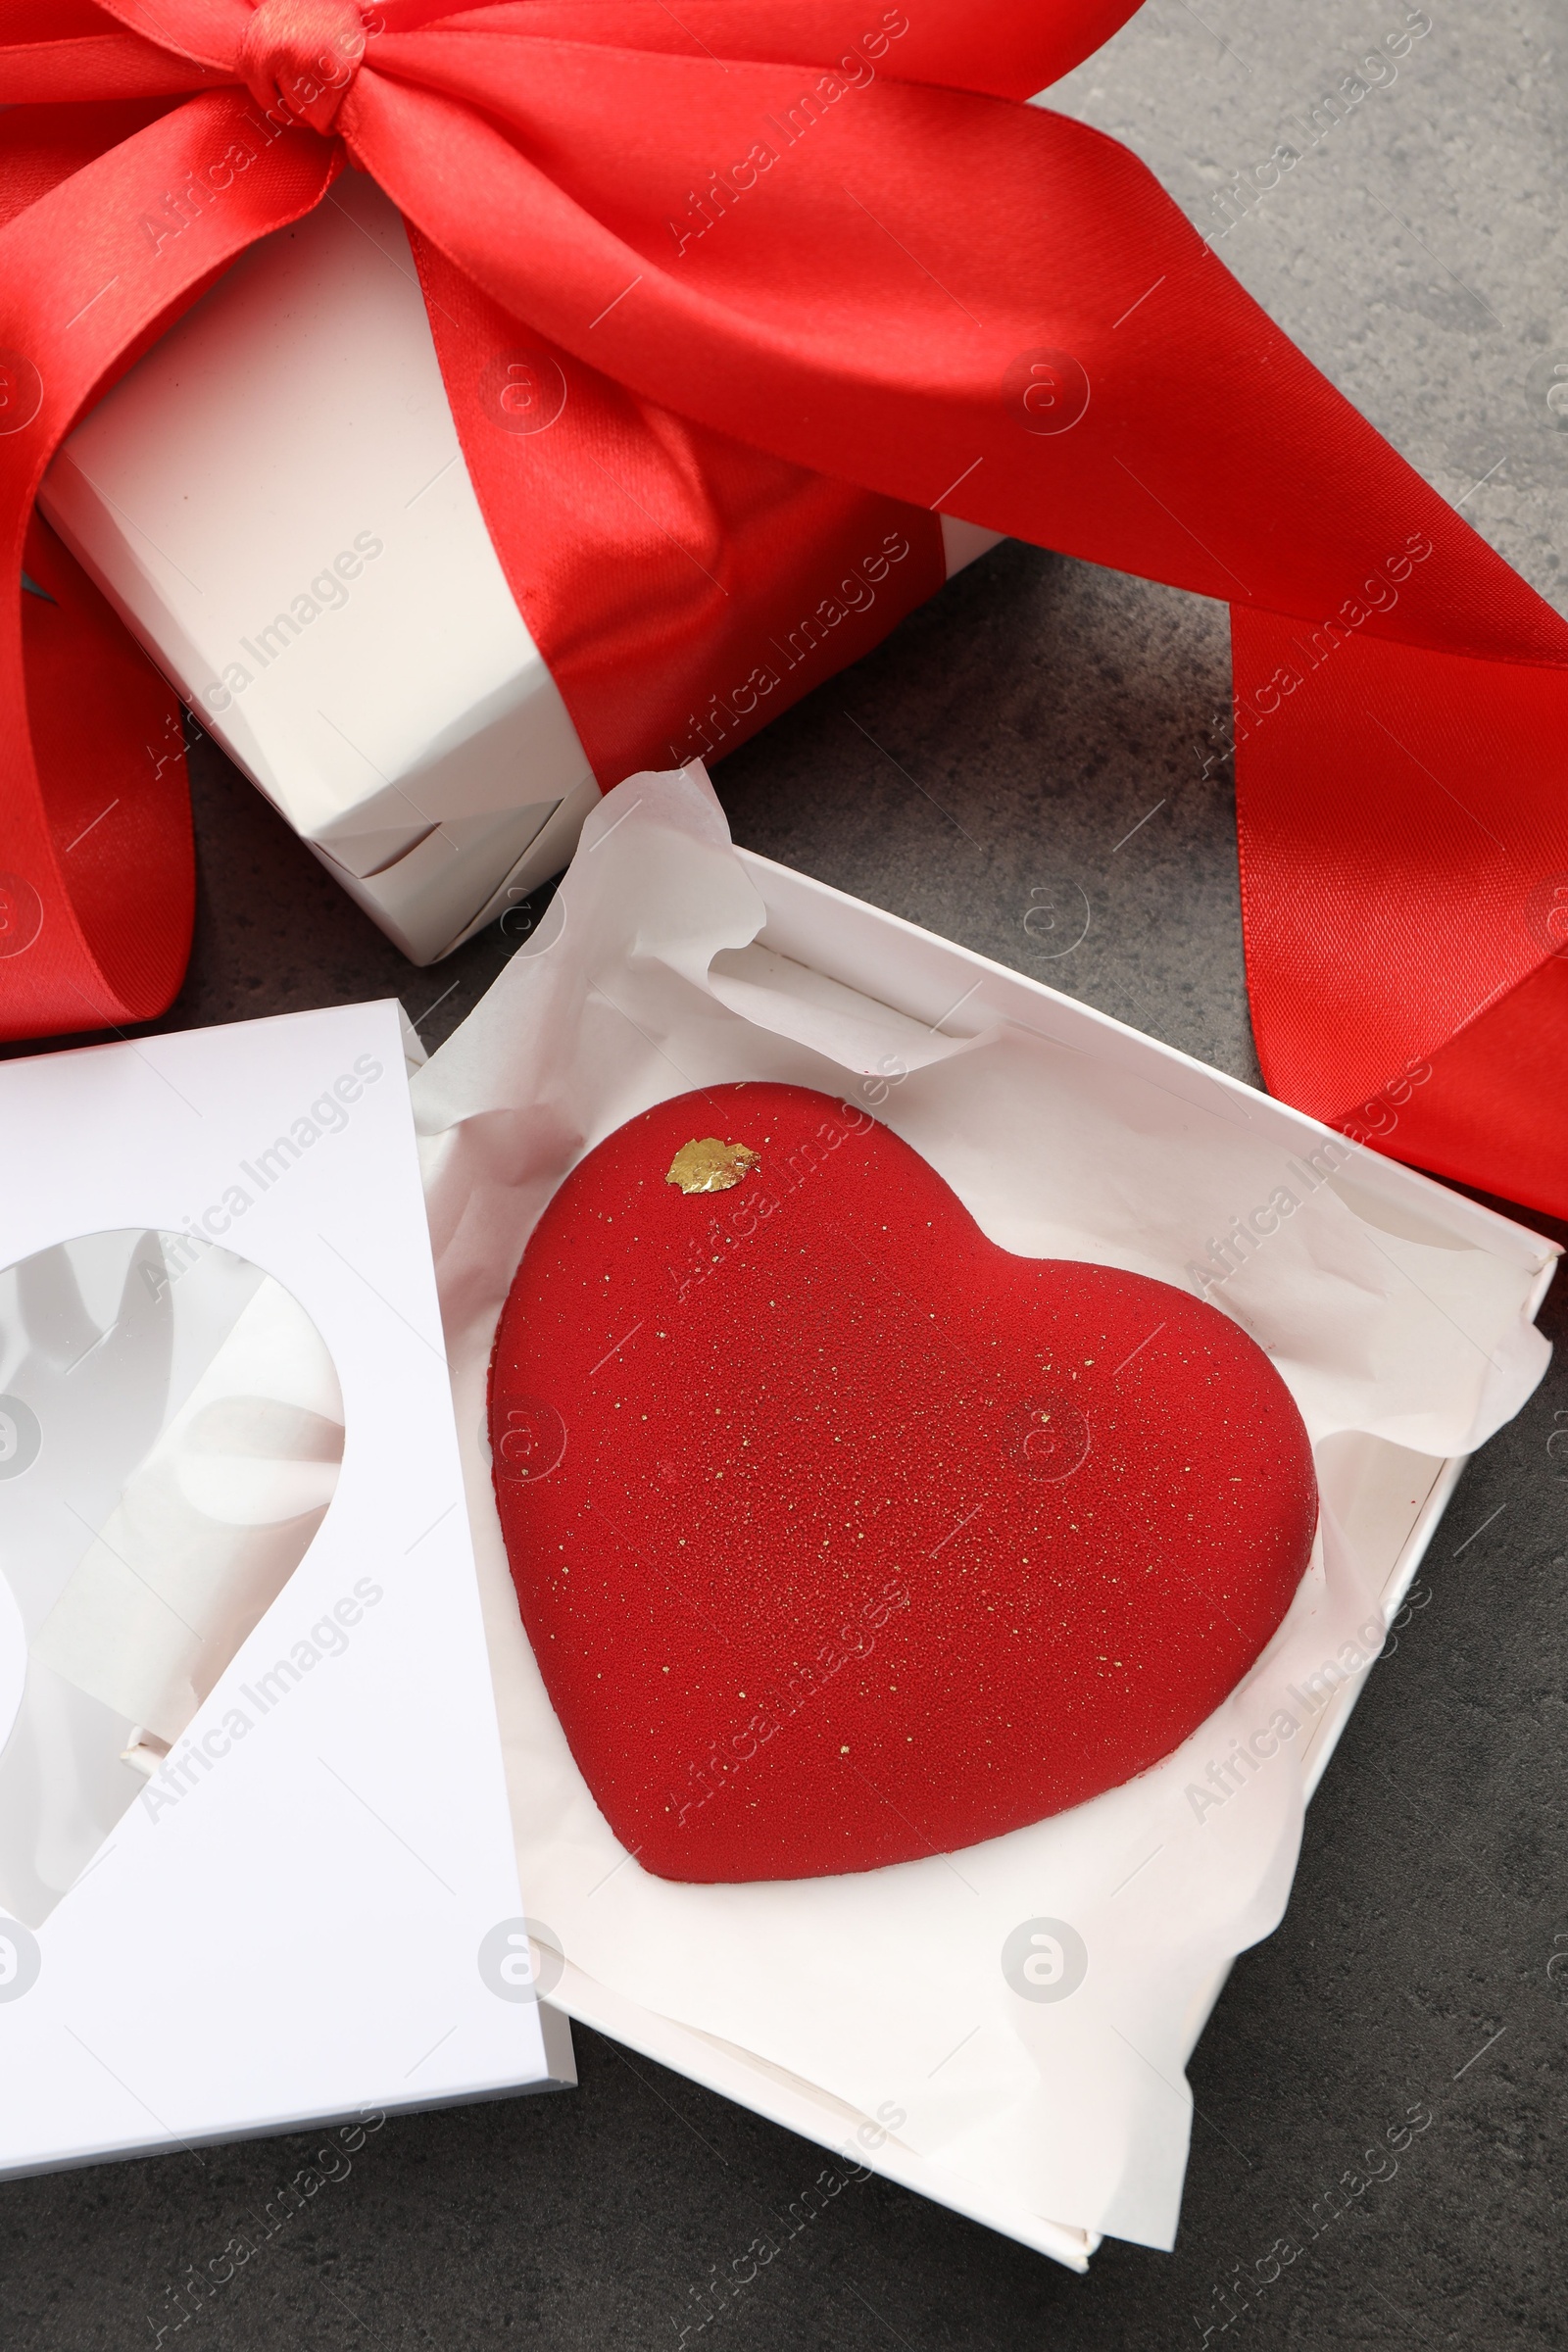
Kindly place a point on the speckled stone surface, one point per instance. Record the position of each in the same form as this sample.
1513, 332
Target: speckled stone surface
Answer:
996, 758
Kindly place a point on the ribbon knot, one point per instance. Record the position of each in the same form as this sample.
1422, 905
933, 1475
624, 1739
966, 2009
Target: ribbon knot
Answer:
303, 55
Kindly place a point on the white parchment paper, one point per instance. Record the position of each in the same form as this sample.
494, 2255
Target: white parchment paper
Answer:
887, 1991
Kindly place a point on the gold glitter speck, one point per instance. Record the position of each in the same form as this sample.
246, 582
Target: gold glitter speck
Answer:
710, 1166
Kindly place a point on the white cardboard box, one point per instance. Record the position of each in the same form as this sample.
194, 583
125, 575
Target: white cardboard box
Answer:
292, 432
774, 1996
279, 1893
920, 974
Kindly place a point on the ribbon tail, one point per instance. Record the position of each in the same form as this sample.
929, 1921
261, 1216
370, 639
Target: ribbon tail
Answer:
96, 875
116, 859
1403, 833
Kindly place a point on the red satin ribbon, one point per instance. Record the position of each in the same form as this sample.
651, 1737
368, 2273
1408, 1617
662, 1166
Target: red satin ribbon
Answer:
795, 278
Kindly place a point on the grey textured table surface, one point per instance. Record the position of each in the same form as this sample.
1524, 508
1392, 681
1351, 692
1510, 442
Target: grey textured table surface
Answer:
1042, 730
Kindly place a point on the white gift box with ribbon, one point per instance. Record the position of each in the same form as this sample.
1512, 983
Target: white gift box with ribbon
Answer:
274, 502
1004, 2030
235, 1896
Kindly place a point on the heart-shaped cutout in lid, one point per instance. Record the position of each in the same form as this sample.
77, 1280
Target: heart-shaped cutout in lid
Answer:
170, 1434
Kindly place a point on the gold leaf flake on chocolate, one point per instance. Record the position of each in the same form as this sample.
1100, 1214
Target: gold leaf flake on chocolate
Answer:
710, 1166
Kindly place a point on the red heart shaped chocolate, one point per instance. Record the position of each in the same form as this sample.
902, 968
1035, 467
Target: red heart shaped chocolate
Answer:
842, 1536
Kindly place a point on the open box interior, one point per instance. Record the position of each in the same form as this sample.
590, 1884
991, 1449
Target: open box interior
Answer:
1400, 1313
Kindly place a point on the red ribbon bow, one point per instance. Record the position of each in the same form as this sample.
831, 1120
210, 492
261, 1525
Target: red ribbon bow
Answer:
719, 297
